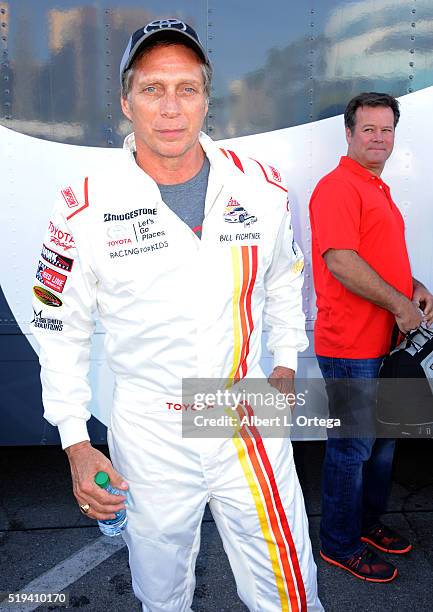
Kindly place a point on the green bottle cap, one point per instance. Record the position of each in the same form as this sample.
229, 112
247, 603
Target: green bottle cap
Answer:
102, 479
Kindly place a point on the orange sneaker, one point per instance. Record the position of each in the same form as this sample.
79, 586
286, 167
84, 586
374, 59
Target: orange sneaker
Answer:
366, 565
386, 540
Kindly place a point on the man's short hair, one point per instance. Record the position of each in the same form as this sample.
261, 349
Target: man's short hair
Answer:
371, 99
128, 75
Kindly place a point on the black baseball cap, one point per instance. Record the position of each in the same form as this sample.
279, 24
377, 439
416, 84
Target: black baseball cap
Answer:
162, 28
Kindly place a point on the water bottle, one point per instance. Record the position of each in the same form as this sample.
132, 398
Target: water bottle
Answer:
111, 527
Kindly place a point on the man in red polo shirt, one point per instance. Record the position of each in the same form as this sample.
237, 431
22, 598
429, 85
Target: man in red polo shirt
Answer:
364, 286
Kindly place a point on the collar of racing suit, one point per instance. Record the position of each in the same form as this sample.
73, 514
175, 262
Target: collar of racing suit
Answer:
220, 166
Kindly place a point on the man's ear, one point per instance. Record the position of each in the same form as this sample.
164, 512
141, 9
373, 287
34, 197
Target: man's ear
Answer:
126, 108
348, 135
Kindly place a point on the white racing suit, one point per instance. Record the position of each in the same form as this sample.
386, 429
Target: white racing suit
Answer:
176, 307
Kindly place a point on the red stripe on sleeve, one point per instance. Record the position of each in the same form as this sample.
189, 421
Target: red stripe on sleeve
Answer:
268, 179
237, 161
86, 199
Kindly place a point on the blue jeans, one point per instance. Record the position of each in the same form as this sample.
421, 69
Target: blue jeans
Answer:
357, 469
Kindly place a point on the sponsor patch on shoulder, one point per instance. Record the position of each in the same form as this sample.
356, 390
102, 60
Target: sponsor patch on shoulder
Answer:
46, 297
69, 197
51, 278
46, 322
72, 201
61, 238
275, 174
273, 177
60, 261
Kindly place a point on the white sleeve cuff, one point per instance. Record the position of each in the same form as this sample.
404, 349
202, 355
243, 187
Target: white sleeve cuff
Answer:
72, 431
286, 357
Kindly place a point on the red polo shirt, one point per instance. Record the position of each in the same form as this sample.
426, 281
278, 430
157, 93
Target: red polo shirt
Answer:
351, 208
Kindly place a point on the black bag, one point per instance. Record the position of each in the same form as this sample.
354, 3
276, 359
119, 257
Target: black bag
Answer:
405, 389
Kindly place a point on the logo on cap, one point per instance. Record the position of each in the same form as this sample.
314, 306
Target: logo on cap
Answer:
164, 23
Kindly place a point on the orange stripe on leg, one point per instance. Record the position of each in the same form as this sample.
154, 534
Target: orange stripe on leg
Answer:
267, 495
263, 521
281, 512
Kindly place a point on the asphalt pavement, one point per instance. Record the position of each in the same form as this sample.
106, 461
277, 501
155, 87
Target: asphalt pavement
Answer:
46, 544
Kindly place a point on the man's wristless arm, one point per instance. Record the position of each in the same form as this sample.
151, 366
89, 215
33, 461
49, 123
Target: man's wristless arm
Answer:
358, 277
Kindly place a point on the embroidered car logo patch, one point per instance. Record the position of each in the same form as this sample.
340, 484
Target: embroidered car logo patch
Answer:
235, 213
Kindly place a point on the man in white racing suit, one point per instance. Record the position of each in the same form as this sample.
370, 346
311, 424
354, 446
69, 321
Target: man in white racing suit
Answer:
175, 306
